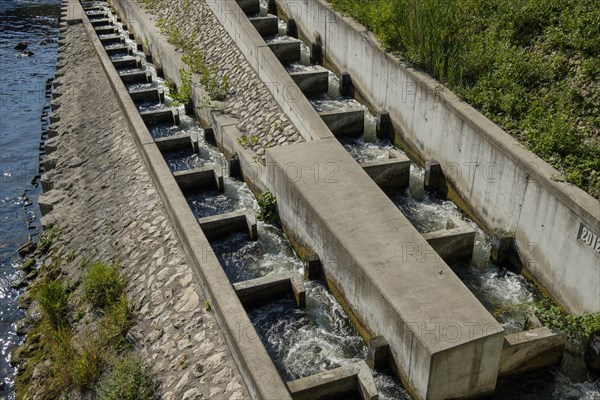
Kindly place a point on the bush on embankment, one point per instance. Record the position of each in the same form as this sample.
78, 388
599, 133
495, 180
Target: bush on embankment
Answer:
531, 66
79, 341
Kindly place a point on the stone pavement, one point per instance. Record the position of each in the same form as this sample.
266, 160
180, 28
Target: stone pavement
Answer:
108, 207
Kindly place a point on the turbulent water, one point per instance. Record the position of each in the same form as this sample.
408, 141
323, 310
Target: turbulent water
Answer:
22, 98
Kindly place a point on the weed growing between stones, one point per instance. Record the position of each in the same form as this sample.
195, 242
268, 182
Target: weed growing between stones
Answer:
102, 285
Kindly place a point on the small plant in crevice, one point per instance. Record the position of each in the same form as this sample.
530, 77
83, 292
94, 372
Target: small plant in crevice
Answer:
47, 237
181, 95
246, 141
268, 208
216, 86
102, 285
207, 306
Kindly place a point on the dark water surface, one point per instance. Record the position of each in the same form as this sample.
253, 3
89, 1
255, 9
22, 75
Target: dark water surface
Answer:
22, 99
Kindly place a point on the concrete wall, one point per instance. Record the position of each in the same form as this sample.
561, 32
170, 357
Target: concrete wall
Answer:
259, 373
503, 185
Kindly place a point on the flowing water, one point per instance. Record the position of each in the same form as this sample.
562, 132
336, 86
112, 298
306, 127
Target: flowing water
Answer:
22, 99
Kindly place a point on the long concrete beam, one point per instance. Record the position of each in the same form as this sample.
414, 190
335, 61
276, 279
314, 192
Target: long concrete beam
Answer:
444, 342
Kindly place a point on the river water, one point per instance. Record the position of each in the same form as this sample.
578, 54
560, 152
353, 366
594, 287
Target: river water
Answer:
22, 99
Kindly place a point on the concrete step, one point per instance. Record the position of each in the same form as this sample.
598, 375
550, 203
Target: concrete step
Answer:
112, 40
266, 26
96, 15
153, 94
104, 30
391, 173
136, 77
352, 380
127, 62
260, 291
456, 241
249, 7
221, 225
312, 82
345, 123
199, 178
101, 22
154, 117
286, 52
118, 50
174, 143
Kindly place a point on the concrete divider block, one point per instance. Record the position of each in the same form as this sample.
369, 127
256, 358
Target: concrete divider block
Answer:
311, 82
383, 125
135, 77
292, 29
346, 87
266, 26
127, 62
313, 270
235, 170
159, 116
217, 226
105, 30
118, 50
348, 380
286, 52
108, 40
530, 350
142, 95
345, 123
249, 7
455, 242
174, 143
100, 22
260, 291
501, 243
198, 178
316, 53
46, 183
378, 354
390, 173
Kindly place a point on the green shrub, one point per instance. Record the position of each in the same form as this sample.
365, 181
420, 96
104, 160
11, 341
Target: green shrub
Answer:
182, 94
53, 299
117, 322
129, 379
102, 284
75, 365
268, 208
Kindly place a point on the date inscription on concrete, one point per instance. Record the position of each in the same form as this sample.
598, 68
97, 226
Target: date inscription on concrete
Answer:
589, 238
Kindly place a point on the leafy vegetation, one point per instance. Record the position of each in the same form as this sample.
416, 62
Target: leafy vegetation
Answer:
554, 316
103, 286
531, 66
268, 208
53, 299
183, 93
246, 141
129, 379
78, 358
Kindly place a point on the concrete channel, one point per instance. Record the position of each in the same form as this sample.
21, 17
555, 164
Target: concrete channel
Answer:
355, 231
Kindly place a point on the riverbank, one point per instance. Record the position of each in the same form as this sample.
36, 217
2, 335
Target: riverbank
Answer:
106, 209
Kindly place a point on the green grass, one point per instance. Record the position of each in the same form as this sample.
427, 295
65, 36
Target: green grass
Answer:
129, 379
531, 66
53, 299
102, 284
